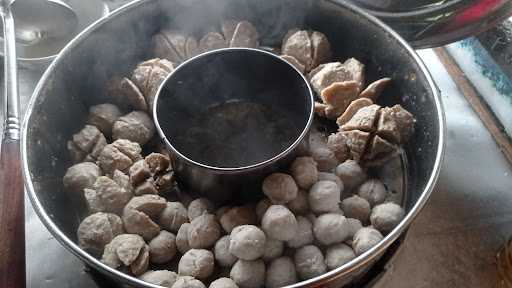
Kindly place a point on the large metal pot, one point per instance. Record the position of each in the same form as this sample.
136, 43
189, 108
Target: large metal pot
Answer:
112, 46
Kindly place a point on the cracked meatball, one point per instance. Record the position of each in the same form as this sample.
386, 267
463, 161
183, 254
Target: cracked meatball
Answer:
97, 230
135, 126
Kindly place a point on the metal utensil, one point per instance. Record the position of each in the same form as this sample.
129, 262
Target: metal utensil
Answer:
12, 224
227, 102
38, 20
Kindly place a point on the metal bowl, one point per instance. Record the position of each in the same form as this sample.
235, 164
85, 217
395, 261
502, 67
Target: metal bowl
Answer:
113, 45
42, 53
430, 23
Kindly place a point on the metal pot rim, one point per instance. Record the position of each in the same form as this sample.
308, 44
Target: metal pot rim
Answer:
319, 280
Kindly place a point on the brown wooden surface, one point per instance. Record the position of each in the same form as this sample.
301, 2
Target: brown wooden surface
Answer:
12, 222
477, 103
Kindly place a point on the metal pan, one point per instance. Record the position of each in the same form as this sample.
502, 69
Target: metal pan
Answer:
113, 45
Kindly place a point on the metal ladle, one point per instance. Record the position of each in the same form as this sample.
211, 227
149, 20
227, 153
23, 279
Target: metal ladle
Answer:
12, 218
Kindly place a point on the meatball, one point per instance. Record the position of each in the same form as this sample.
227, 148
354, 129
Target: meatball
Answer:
299, 205
86, 145
262, 207
365, 239
198, 263
81, 176
119, 155
182, 238
107, 196
304, 171
304, 234
373, 191
273, 249
136, 126
281, 272
337, 255
331, 228
356, 207
103, 117
279, 223
280, 188
173, 216
204, 231
386, 216
237, 216
223, 283
187, 282
138, 214
353, 226
162, 248
139, 172
222, 254
309, 262
351, 174
247, 242
163, 278
331, 177
97, 230
199, 207
125, 249
248, 274
324, 157
157, 162
324, 196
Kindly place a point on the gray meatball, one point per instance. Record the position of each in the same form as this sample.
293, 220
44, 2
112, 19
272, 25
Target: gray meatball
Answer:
163, 278
247, 242
331, 177
262, 207
304, 171
281, 272
273, 249
237, 216
299, 205
309, 262
365, 239
324, 197
304, 234
324, 157
198, 263
331, 228
182, 238
337, 255
135, 126
173, 216
107, 196
204, 231
386, 216
81, 176
222, 254
187, 282
248, 274
162, 248
373, 191
223, 283
279, 223
97, 230
353, 226
199, 207
356, 207
351, 174
280, 188
103, 116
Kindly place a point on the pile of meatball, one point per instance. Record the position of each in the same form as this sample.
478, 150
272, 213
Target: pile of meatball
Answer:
321, 212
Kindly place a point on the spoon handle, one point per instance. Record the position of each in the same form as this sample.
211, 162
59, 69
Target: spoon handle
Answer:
12, 215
